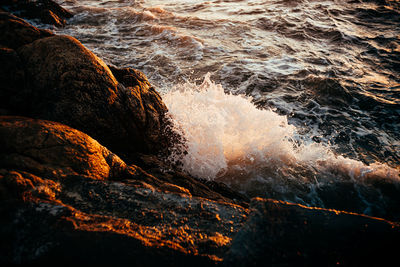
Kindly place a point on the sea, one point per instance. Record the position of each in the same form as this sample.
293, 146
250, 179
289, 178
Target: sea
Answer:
297, 100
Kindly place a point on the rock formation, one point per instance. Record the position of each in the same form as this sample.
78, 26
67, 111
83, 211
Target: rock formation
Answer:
62, 192
65, 82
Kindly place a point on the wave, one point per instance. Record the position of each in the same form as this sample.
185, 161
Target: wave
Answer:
256, 151
224, 130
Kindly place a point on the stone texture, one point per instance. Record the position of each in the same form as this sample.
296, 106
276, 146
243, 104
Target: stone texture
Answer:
64, 197
15, 32
278, 233
47, 148
69, 84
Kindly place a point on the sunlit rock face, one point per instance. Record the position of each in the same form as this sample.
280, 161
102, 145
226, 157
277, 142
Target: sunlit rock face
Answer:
51, 149
60, 200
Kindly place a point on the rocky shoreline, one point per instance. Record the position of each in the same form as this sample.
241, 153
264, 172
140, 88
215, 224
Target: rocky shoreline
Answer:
82, 177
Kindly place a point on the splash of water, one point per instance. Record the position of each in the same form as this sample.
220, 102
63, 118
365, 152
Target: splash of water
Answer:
228, 138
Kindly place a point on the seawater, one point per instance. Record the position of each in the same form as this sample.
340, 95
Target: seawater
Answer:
295, 100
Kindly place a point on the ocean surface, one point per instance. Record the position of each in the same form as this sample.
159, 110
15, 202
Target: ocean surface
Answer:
293, 100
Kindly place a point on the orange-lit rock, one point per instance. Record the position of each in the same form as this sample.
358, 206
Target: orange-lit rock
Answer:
51, 149
64, 196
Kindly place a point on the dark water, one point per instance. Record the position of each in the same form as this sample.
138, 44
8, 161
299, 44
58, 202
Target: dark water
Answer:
325, 74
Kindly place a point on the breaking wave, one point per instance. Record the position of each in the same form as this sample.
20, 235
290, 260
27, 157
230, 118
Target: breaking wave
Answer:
229, 139
225, 131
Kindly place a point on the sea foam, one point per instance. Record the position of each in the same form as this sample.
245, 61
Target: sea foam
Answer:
228, 138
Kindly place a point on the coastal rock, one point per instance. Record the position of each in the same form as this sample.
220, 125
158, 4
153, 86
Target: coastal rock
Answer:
69, 84
15, 32
42, 81
46, 11
51, 149
278, 233
62, 192
202, 188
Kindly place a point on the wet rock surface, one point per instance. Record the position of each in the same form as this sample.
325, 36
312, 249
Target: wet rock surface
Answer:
279, 233
47, 148
62, 192
61, 80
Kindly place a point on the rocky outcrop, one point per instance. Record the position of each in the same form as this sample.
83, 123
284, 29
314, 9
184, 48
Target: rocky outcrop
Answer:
278, 233
50, 149
62, 192
65, 82
58, 79
46, 11
46, 148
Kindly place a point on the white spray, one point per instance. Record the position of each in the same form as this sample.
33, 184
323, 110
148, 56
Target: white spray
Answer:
229, 138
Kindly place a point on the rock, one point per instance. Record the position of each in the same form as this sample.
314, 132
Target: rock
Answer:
41, 81
69, 84
46, 11
60, 201
278, 233
378, 197
105, 222
50, 149
127, 116
202, 188
12, 77
15, 32
149, 106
